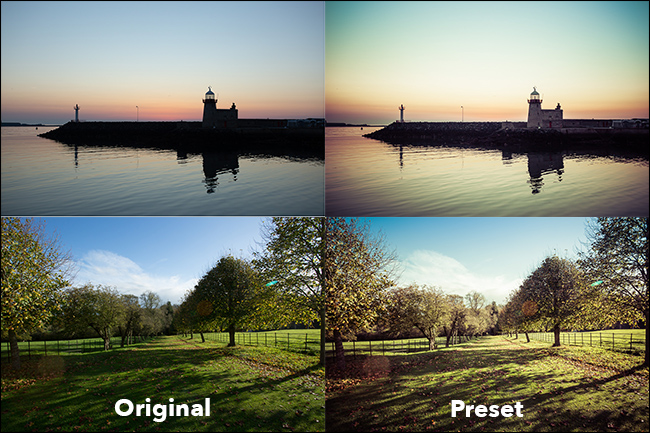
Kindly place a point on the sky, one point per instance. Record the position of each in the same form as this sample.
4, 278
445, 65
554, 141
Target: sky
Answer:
109, 57
168, 255
486, 57
489, 255
165, 255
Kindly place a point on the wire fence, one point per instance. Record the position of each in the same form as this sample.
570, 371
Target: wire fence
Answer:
64, 347
383, 347
307, 342
619, 341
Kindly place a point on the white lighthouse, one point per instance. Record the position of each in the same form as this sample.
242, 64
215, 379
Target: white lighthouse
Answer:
539, 118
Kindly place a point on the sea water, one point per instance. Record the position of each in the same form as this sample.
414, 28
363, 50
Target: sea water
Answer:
42, 177
368, 177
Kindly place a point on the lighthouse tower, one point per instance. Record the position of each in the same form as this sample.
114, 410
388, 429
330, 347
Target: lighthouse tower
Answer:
76, 113
209, 110
534, 110
401, 113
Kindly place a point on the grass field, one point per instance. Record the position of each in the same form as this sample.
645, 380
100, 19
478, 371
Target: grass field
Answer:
250, 389
561, 389
632, 340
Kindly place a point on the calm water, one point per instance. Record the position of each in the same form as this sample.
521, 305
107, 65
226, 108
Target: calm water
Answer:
41, 177
367, 177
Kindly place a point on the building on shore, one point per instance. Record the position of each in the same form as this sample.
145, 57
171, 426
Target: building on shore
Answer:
214, 118
539, 118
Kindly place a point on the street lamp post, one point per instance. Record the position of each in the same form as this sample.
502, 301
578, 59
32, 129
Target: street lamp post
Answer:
462, 115
137, 118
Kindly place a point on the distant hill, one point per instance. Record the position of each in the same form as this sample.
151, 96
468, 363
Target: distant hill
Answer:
23, 124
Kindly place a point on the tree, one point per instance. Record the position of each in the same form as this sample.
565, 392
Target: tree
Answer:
293, 256
35, 270
557, 292
477, 316
99, 308
132, 313
617, 265
424, 308
358, 270
231, 295
455, 318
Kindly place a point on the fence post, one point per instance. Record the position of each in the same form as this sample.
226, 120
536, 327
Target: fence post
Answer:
276, 339
305, 342
287, 341
630, 342
601, 338
612, 341
354, 349
370, 343
29, 350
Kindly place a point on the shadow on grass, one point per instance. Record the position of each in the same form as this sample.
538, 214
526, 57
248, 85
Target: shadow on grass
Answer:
243, 393
415, 392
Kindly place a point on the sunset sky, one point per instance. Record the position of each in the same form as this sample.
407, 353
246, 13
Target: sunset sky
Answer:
109, 57
434, 57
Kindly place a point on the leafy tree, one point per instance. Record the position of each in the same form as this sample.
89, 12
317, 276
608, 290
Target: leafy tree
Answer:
35, 270
358, 270
476, 317
617, 265
152, 320
99, 308
455, 319
424, 308
132, 313
293, 256
231, 295
557, 293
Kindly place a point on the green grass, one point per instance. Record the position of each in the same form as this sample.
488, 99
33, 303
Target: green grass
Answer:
297, 340
251, 389
58, 347
632, 340
562, 389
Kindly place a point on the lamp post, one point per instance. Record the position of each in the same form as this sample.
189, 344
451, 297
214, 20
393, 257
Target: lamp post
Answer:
137, 118
462, 115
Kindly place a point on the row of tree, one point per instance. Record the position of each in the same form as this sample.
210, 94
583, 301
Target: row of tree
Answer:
608, 283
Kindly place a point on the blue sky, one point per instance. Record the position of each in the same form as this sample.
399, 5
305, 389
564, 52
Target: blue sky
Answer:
109, 57
168, 255
489, 255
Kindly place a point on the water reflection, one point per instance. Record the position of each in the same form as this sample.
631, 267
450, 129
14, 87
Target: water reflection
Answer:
218, 163
542, 164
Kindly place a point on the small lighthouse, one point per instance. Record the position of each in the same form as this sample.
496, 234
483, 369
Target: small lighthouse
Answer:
534, 110
209, 109
76, 113
401, 113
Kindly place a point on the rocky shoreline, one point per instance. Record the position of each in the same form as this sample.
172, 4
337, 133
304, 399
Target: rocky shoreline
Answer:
492, 135
190, 137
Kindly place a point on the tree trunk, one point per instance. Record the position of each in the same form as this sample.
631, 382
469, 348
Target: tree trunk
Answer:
527, 337
556, 332
339, 350
432, 343
645, 313
107, 343
15, 351
321, 313
231, 333
202, 337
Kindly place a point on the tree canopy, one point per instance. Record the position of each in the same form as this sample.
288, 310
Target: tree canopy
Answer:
35, 270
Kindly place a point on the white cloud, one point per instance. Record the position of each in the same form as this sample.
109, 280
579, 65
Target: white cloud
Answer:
106, 268
435, 269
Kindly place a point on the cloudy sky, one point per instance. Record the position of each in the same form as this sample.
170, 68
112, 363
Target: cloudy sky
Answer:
166, 255
489, 255
434, 57
109, 57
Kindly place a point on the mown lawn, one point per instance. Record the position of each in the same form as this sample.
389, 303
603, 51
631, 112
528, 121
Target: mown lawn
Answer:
250, 389
561, 389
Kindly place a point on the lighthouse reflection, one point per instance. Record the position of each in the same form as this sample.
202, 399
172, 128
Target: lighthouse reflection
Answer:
542, 165
216, 164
